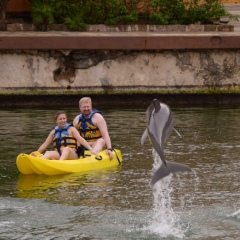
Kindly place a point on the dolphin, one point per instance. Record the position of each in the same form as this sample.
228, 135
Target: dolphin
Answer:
159, 127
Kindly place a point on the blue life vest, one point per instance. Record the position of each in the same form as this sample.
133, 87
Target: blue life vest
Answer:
61, 138
86, 127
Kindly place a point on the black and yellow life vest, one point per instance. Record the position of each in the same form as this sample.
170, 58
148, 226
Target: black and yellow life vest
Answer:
87, 129
61, 138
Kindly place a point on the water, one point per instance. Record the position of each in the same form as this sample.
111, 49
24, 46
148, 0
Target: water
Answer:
119, 203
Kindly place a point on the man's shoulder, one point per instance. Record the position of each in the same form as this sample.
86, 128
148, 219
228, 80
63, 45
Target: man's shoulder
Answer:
97, 114
97, 119
75, 120
77, 116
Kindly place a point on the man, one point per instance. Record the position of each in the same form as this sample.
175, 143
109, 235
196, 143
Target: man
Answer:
93, 127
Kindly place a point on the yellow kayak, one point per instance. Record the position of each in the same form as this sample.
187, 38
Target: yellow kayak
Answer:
28, 164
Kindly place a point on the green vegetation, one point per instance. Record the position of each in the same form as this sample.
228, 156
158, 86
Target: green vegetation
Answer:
75, 22
77, 14
123, 91
185, 12
42, 14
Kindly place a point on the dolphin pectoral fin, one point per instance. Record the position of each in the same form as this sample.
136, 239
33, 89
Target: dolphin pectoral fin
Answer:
177, 133
144, 136
177, 167
165, 170
160, 173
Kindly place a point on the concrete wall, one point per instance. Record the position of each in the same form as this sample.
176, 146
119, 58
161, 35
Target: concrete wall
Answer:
64, 70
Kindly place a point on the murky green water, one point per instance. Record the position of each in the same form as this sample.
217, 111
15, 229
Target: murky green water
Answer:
119, 203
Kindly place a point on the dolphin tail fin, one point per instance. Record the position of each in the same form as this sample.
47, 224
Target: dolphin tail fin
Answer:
160, 173
165, 169
144, 136
177, 167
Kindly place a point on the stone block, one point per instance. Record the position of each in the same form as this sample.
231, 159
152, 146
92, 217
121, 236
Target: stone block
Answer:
160, 28
14, 27
171, 28
111, 28
195, 28
17, 27
142, 27
120, 28
225, 28
210, 28
97, 28
134, 27
57, 27
181, 28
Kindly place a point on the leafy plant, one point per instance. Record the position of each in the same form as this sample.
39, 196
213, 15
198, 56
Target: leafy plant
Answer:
183, 12
75, 22
42, 14
78, 13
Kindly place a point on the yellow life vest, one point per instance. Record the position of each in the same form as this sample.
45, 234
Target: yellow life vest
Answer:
61, 138
87, 129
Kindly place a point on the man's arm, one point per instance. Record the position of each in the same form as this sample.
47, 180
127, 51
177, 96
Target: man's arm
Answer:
100, 122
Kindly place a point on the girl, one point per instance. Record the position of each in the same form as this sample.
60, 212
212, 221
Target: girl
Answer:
65, 139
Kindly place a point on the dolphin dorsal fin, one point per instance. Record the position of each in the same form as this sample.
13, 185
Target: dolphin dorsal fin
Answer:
156, 105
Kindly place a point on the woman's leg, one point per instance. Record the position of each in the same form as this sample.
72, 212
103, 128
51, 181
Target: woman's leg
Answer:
68, 154
51, 155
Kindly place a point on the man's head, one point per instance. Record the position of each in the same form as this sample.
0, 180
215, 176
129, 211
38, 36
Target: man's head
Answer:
85, 105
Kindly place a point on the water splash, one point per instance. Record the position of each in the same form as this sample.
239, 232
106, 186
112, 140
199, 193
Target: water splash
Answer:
164, 221
235, 215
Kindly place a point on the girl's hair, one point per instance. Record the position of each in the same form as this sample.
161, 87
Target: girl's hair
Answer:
58, 113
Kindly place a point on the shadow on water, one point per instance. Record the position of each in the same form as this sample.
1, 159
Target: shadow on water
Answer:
119, 203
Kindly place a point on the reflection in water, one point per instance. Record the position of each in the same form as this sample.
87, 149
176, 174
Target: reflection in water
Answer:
119, 204
71, 189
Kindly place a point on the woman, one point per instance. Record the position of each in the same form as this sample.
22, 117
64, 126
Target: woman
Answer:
65, 139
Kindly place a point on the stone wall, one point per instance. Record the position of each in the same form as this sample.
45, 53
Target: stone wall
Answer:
96, 70
220, 26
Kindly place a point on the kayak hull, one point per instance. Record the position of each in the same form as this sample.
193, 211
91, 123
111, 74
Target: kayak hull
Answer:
28, 164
